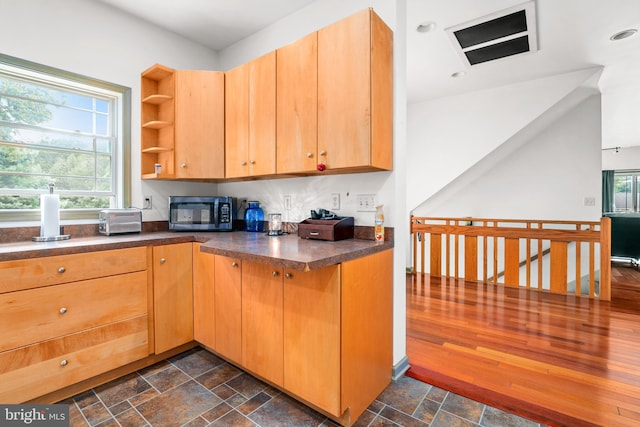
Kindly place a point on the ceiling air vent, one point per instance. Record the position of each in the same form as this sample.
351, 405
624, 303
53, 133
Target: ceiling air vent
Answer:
499, 35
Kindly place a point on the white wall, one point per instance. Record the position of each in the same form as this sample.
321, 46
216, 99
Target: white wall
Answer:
626, 158
95, 40
446, 136
548, 177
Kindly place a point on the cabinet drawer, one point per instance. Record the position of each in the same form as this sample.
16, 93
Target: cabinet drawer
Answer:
32, 273
32, 371
35, 315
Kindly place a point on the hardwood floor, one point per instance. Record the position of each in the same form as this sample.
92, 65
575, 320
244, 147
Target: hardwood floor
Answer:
559, 360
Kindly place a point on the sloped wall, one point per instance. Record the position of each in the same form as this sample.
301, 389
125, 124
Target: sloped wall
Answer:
548, 176
447, 136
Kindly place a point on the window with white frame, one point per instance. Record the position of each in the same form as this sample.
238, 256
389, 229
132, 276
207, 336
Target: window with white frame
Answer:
62, 128
626, 188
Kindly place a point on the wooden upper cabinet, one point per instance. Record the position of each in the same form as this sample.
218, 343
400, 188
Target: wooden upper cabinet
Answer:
236, 122
297, 106
355, 93
199, 124
182, 123
250, 118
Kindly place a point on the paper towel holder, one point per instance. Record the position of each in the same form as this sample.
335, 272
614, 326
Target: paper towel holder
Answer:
51, 238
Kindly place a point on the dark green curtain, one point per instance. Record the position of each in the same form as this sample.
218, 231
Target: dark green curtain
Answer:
607, 191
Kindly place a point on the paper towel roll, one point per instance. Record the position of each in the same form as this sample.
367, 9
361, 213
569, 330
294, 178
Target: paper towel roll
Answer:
49, 215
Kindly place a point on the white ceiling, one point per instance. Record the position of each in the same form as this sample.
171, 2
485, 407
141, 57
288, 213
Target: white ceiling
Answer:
572, 35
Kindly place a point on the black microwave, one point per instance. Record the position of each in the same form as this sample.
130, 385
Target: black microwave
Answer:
206, 213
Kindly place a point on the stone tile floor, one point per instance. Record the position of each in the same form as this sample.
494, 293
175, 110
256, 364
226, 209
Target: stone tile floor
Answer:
196, 388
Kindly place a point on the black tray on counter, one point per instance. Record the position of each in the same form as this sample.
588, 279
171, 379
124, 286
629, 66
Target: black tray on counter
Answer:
337, 228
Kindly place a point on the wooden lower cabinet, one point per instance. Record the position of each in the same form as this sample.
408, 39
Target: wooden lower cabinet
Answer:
324, 336
172, 295
262, 314
204, 320
58, 331
41, 368
228, 307
312, 337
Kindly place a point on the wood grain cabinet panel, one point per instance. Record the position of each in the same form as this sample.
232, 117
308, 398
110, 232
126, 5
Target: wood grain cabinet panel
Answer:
228, 307
312, 336
41, 368
203, 298
199, 126
182, 123
33, 273
250, 118
76, 316
172, 295
262, 347
37, 314
297, 106
355, 93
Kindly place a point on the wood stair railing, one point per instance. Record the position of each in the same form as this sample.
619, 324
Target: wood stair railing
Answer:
505, 252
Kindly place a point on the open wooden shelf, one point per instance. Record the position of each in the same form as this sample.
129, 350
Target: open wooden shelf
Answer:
157, 99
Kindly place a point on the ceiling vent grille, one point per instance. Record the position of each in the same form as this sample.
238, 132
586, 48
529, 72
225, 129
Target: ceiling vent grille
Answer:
499, 35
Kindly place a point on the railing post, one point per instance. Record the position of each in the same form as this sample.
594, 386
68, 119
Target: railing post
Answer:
605, 259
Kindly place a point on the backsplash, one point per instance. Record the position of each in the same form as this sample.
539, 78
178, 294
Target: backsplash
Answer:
23, 234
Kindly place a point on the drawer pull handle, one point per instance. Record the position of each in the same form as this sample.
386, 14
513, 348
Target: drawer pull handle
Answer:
183, 166
234, 264
323, 153
314, 233
288, 275
163, 260
61, 270
275, 274
64, 363
243, 163
63, 310
309, 155
253, 162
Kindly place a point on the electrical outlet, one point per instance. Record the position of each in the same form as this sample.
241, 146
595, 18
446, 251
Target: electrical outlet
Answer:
287, 202
335, 201
366, 202
146, 204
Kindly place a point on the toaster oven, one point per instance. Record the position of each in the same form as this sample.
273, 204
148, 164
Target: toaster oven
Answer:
119, 221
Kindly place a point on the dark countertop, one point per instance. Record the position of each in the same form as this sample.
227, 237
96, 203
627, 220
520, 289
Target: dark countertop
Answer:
288, 251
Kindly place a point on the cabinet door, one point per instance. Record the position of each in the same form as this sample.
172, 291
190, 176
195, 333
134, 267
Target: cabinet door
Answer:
312, 336
355, 93
228, 304
262, 350
237, 122
367, 329
297, 106
199, 126
172, 296
262, 115
344, 98
203, 297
